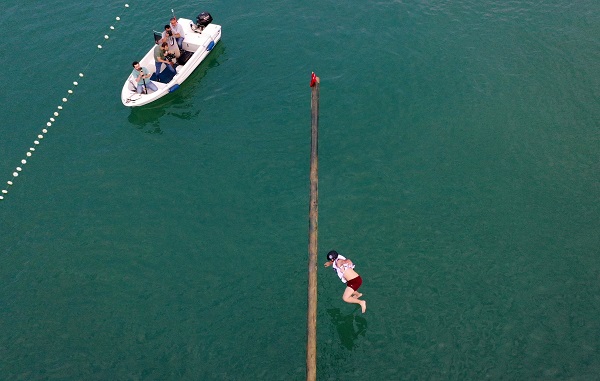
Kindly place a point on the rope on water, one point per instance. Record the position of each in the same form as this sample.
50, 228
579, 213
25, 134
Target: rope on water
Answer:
52, 119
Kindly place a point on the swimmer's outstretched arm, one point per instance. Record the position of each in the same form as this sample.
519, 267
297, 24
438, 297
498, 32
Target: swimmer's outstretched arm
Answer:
342, 262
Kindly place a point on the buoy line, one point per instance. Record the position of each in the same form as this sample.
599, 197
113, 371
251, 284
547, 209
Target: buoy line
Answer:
52, 119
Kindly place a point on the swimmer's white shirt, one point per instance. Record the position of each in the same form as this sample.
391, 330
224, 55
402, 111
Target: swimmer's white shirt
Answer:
340, 271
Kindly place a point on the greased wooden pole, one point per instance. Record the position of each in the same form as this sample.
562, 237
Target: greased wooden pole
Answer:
311, 343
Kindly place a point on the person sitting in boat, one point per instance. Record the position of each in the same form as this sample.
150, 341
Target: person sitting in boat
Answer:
161, 56
177, 32
142, 78
168, 36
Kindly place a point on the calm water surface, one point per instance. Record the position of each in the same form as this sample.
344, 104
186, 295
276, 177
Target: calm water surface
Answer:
459, 167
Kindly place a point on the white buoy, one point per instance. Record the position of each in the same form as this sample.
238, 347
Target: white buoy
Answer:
52, 120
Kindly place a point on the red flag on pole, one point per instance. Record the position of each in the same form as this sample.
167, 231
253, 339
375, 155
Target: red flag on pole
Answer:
313, 79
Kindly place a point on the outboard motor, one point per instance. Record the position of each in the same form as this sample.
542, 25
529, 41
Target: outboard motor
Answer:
203, 19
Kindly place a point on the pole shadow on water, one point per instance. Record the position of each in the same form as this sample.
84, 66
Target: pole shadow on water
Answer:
349, 327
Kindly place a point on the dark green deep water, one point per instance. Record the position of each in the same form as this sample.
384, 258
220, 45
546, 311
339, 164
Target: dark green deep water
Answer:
459, 169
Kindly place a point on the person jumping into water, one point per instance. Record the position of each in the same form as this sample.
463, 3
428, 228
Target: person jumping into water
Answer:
345, 270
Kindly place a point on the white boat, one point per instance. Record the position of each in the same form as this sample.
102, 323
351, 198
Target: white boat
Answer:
199, 40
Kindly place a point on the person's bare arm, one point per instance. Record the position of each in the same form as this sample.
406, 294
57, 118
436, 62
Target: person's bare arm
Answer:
342, 262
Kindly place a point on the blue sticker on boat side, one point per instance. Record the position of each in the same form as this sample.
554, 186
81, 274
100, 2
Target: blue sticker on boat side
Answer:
210, 46
173, 88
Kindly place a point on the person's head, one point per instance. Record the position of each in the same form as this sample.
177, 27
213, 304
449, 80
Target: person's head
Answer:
136, 65
332, 255
164, 45
173, 21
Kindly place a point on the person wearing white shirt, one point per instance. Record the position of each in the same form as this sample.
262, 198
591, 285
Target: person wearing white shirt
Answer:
345, 270
177, 32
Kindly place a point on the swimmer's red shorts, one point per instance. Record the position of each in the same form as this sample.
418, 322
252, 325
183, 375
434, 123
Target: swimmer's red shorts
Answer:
354, 283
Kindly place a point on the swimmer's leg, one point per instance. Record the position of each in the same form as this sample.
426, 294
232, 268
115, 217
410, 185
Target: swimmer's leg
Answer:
348, 298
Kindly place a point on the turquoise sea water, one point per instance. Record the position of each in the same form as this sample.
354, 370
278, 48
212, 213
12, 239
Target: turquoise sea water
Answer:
459, 170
